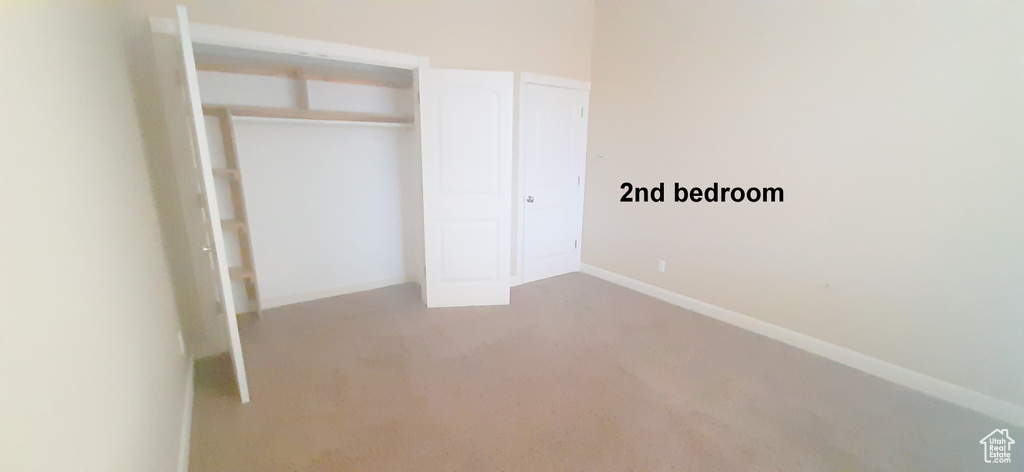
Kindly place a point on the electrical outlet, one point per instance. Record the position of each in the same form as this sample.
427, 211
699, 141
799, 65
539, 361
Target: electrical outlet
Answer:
661, 265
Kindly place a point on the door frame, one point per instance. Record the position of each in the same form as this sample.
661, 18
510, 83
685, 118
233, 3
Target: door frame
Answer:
525, 79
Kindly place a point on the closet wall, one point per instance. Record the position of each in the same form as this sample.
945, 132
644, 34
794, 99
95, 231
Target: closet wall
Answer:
327, 208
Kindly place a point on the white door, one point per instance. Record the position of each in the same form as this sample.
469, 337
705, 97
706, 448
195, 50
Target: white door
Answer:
203, 171
466, 129
554, 141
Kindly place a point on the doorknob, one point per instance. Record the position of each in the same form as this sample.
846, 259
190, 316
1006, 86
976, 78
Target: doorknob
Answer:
207, 249
529, 199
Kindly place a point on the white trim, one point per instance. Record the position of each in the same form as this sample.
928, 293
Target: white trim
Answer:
274, 302
552, 81
932, 386
421, 276
520, 178
247, 39
185, 441
516, 280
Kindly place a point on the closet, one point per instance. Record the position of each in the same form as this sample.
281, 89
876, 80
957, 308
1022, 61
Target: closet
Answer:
307, 169
316, 166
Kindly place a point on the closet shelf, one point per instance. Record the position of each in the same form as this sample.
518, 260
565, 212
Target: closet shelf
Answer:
301, 73
301, 114
240, 273
234, 225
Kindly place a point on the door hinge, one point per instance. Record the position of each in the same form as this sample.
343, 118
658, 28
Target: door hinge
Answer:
581, 112
578, 178
576, 244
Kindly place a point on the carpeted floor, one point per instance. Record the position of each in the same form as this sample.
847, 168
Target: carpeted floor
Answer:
576, 375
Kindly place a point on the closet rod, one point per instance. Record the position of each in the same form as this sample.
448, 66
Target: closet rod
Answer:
375, 124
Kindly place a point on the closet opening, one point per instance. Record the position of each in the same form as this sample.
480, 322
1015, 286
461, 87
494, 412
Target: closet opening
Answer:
317, 173
307, 169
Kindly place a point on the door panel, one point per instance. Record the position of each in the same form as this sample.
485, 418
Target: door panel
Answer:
469, 254
470, 147
206, 332
554, 152
466, 126
210, 211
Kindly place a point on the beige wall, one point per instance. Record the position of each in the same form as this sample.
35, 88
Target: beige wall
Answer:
91, 375
895, 129
541, 36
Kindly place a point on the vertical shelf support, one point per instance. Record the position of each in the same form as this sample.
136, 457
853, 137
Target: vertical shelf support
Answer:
301, 88
227, 131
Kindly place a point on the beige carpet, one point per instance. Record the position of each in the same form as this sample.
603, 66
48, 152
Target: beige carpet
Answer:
576, 375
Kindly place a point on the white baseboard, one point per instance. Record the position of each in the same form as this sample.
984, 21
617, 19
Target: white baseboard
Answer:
932, 386
274, 302
186, 417
516, 280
